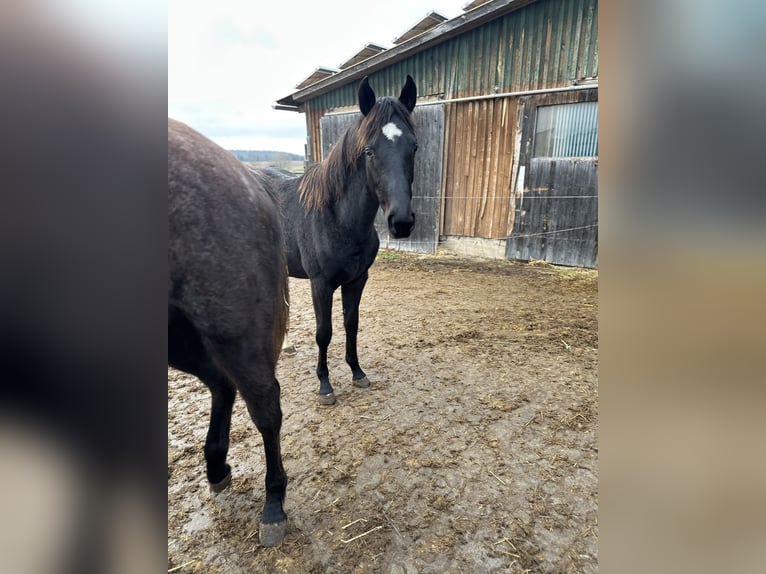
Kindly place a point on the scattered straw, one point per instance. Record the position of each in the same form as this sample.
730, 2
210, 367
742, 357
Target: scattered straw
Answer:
352, 523
371, 530
392, 524
500, 480
530, 421
176, 568
376, 419
333, 503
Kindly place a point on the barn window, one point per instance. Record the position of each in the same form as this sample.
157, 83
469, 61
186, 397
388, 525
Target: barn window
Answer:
567, 130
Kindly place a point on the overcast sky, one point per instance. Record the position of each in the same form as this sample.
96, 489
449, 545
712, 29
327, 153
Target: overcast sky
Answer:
229, 61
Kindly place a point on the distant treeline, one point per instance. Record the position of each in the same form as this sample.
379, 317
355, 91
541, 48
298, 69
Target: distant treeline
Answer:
258, 155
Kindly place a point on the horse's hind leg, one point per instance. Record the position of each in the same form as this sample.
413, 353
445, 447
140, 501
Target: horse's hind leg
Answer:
254, 376
187, 353
217, 442
352, 296
264, 408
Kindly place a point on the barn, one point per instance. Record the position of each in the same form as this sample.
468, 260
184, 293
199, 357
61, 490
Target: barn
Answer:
507, 123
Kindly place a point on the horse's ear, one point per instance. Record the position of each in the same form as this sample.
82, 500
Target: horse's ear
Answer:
409, 94
366, 96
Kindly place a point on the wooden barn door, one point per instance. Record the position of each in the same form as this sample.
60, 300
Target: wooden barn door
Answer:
556, 206
557, 217
426, 187
477, 168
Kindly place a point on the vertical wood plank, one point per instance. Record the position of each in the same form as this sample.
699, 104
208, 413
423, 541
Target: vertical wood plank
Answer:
492, 166
480, 160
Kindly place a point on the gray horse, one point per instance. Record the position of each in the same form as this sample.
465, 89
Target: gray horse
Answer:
227, 301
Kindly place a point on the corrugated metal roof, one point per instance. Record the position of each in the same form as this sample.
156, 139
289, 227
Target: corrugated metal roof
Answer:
474, 4
368, 51
316, 76
449, 29
423, 25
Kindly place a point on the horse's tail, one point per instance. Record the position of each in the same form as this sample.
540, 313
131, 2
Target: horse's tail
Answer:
282, 298
282, 314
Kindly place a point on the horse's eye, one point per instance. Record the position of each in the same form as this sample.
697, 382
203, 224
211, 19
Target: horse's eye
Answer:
416, 147
367, 150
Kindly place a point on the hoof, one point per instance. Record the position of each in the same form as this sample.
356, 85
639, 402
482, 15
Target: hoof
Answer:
290, 351
328, 399
272, 534
220, 486
362, 383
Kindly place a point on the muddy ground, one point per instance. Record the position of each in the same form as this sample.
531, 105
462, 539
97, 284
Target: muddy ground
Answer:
474, 449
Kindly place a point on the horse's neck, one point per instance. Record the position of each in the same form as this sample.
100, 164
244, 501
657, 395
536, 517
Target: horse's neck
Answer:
358, 205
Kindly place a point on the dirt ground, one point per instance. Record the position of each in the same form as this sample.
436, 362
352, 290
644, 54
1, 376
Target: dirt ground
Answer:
474, 449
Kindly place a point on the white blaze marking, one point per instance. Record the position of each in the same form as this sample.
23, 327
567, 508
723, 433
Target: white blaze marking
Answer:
391, 131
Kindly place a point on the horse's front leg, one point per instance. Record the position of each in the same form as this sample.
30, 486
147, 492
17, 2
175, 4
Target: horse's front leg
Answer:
321, 295
352, 295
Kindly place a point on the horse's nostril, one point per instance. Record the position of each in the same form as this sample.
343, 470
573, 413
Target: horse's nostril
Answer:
400, 226
401, 229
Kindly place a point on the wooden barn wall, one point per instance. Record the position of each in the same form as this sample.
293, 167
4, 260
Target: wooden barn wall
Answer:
314, 140
556, 215
478, 161
546, 44
426, 187
332, 127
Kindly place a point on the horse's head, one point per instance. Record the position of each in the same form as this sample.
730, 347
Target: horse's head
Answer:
389, 153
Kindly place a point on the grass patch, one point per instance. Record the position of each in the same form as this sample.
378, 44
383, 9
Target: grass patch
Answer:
388, 255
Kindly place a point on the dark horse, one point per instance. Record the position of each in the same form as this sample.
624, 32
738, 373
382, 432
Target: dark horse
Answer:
227, 301
329, 214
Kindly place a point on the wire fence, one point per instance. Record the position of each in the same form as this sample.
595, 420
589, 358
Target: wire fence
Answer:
504, 197
511, 236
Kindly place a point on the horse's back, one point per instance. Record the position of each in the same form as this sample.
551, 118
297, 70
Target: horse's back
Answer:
279, 173
284, 187
281, 184
225, 251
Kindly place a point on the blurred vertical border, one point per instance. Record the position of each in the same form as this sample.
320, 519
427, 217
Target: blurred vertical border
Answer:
682, 281
83, 102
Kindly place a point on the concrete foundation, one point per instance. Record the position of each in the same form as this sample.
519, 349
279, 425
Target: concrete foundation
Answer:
474, 247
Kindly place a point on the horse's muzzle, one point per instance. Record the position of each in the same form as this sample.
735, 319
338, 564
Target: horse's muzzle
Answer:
401, 227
